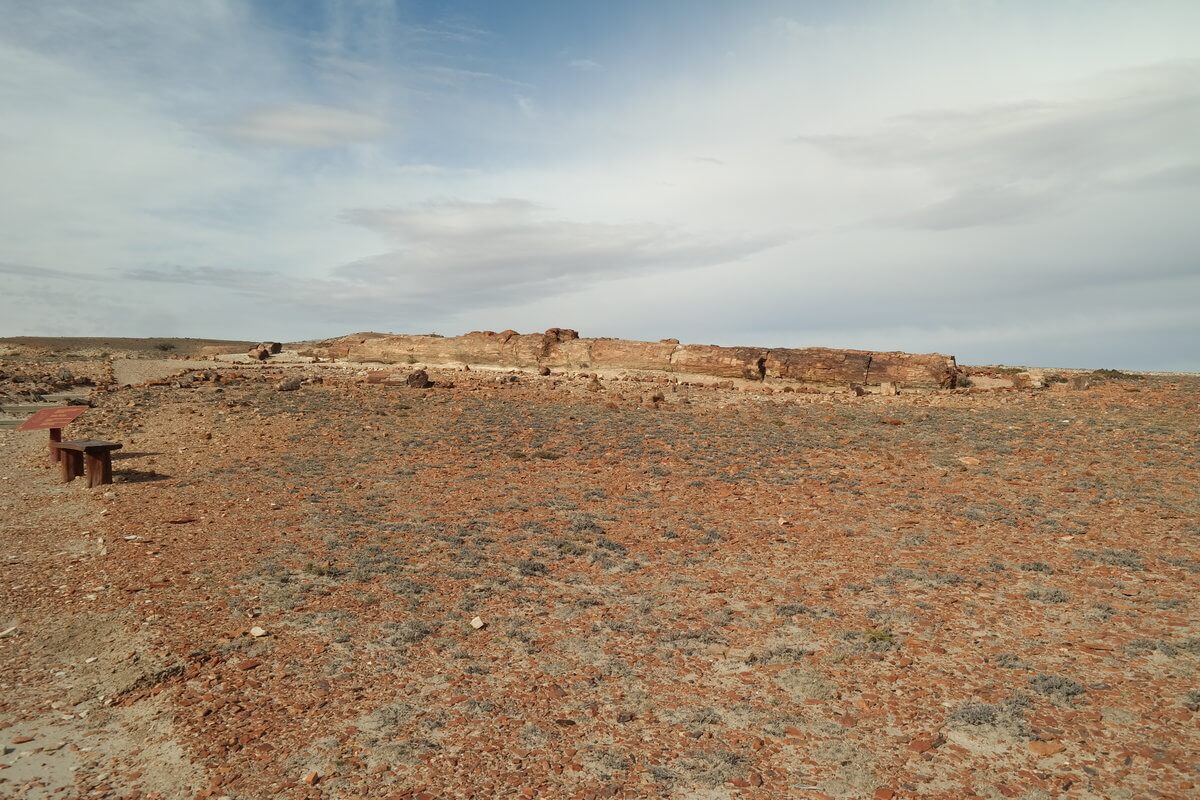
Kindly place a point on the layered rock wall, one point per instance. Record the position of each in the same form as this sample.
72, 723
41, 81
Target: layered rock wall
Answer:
562, 348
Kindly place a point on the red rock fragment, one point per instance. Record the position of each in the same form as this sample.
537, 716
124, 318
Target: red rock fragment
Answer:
925, 742
1047, 748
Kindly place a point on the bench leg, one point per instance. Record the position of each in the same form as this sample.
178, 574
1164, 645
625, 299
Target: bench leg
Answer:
71, 464
55, 436
99, 469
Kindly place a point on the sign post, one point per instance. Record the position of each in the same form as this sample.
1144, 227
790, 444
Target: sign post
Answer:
55, 419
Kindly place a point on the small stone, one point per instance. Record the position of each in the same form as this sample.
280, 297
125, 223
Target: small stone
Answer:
543, 371
91, 660
477, 623
311, 778
257, 632
419, 380
1046, 748
289, 385
883, 793
969, 461
249, 664
7, 632
22, 739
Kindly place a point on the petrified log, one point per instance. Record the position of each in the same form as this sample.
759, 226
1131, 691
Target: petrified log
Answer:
723, 362
562, 348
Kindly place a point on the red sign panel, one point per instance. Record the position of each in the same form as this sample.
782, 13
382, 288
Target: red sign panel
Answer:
52, 418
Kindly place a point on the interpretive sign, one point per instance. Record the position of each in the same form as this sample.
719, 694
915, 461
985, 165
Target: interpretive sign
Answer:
55, 419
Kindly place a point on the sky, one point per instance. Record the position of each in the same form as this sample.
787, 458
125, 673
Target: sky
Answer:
1007, 182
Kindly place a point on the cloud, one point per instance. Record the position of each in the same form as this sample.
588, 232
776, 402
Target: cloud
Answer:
527, 106
583, 64
452, 255
453, 76
1011, 162
306, 125
256, 281
509, 248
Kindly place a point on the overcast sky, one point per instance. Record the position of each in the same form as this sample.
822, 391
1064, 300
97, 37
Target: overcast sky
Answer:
1003, 181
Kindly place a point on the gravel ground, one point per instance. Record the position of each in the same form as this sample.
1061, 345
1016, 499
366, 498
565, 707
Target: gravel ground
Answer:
680, 591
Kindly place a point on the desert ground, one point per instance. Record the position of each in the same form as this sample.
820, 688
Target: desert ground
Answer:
305, 584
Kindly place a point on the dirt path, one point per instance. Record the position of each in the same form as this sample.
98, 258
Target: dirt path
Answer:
130, 371
71, 657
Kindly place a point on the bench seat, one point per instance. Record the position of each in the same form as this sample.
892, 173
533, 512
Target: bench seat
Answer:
93, 456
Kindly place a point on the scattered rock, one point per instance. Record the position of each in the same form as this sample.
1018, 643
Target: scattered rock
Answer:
477, 623
257, 632
289, 384
4, 634
969, 461
419, 380
312, 778
259, 352
857, 390
543, 371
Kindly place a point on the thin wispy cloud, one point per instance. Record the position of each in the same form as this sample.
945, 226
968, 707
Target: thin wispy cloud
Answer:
305, 125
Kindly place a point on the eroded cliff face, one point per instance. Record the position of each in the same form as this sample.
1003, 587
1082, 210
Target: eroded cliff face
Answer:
562, 348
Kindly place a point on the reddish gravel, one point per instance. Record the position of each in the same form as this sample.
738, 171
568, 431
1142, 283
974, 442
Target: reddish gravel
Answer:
713, 594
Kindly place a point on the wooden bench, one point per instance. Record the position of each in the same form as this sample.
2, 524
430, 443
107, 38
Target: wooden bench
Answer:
96, 453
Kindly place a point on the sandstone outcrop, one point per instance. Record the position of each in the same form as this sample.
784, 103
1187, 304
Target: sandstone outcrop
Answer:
562, 348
